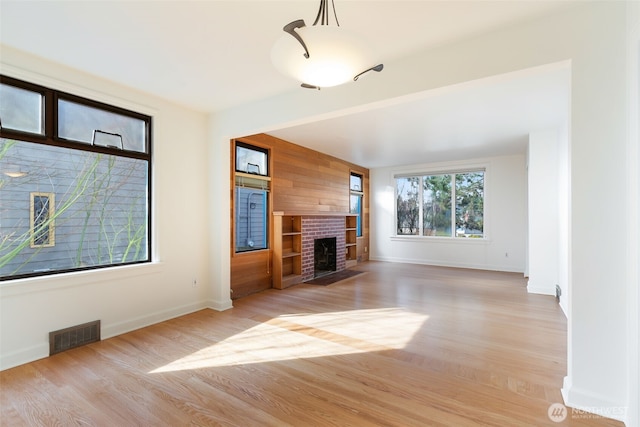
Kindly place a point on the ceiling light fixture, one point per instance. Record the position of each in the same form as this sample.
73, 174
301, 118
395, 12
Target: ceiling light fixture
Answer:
13, 171
15, 174
322, 55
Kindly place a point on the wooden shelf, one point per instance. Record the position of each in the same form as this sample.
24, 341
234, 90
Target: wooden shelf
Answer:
290, 254
287, 245
350, 237
287, 250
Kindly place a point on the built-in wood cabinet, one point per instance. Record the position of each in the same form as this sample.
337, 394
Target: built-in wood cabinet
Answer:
287, 250
303, 183
288, 266
351, 248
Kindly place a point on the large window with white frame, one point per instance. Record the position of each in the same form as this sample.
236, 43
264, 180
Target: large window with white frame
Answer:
75, 180
447, 204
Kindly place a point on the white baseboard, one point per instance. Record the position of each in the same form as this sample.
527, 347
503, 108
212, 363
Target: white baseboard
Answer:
542, 290
437, 263
41, 350
584, 403
220, 305
20, 357
564, 307
129, 325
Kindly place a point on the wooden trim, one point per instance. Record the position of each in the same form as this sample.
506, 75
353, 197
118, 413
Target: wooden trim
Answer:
232, 195
251, 271
310, 213
250, 175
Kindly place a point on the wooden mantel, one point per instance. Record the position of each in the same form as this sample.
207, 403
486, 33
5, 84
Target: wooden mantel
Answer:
312, 213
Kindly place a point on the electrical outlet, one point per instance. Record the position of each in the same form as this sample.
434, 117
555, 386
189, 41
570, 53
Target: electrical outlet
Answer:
194, 283
506, 254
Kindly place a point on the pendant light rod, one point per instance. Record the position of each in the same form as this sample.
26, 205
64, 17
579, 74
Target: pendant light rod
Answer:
323, 13
377, 69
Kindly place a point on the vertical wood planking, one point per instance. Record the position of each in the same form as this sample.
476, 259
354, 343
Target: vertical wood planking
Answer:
301, 180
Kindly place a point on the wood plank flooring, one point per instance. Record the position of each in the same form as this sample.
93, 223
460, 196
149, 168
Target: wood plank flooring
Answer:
400, 345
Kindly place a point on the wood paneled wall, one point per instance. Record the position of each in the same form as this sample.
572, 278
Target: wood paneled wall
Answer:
303, 180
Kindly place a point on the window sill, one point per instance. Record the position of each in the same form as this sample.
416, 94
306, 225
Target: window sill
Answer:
250, 252
77, 278
440, 240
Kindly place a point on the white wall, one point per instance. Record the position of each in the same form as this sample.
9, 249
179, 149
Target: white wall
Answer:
633, 164
543, 218
122, 298
502, 249
597, 366
564, 214
592, 36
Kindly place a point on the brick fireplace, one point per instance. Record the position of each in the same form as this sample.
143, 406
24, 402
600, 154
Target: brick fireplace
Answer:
321, 227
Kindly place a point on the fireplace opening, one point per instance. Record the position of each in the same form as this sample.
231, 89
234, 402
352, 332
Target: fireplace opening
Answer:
324, 256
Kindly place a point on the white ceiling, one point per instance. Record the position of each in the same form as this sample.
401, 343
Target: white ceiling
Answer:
490, 117
214, 55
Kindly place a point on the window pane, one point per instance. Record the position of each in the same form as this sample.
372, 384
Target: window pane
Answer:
355, 207
100, 212
470, 204
355, 183
78, 122
251, 219
21, 109
437, 205
251, 160
408, 206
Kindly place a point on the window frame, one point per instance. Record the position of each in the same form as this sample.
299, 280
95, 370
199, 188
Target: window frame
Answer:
453, 237
242, 179
31, 88
359, 193
50, 137
58, 96
247, 146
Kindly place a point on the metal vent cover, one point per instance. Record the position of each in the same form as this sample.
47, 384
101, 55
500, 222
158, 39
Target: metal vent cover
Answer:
75, 336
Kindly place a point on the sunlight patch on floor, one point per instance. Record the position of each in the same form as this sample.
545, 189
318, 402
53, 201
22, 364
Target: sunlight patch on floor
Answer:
298, 336
388, 328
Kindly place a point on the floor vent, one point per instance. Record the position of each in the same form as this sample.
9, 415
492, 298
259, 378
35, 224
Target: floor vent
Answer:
75, 336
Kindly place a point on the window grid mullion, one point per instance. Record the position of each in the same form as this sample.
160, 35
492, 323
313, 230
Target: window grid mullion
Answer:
453, 205
421, 207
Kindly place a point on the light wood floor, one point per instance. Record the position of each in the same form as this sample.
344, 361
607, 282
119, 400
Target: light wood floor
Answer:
399, 345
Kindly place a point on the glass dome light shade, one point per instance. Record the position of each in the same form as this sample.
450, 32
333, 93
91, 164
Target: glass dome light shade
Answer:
335, 56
